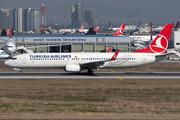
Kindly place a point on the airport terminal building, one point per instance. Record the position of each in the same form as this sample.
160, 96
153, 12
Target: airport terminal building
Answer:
70, 43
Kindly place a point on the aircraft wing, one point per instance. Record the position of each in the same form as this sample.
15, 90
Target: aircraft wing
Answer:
170, 53
96, 64
92, 65
121, 46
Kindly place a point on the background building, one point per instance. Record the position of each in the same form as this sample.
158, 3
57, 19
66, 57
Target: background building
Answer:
18, 19
76, 15
89, 17
26, 20
34, 20
5, 18
71, 43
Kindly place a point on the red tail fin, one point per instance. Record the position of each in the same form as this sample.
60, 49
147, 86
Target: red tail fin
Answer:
82, 27
9, 32
120, 31
97, 28
160, 43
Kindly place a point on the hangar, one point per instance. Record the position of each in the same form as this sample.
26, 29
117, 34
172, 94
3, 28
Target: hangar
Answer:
70, 43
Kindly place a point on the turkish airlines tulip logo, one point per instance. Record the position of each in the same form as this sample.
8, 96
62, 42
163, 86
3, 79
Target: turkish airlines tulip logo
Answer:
160, 45
120, 30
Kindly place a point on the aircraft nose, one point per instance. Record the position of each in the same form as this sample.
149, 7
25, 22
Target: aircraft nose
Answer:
7, 62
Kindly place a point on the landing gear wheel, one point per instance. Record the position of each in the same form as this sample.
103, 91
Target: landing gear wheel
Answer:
20, 72
90, 72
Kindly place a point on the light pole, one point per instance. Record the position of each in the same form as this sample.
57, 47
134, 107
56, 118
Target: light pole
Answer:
96, 19
64, 21
129, 24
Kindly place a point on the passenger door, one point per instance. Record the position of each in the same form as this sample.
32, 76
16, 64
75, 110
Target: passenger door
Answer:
24, 59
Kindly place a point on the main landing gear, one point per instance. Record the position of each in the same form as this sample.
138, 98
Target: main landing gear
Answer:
90, 72
20, 72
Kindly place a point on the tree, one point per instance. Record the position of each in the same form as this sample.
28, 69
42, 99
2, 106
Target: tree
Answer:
3, 32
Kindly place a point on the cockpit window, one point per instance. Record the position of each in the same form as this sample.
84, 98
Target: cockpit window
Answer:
9, 46
13, 58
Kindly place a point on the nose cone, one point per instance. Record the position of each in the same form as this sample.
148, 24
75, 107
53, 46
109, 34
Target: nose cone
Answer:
7, 62
9, 47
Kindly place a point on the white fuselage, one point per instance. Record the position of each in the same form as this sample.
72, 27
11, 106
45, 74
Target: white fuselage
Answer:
61, 31
60, 60
83, 30
9, 46
3, 54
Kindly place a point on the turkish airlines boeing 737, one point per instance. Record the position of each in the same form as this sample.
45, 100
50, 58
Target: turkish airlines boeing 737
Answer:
76, 62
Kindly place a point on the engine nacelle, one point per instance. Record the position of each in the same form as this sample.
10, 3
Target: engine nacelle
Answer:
72, 68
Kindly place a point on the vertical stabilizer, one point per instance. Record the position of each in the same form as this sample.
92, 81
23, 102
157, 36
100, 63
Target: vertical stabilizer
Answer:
160, 43
120, 31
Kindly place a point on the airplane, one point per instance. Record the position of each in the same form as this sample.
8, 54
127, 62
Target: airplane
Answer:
71, 31
62, 31
126, 30
159, 29
97, 29
143, 41
10, 48
3, 55
120, 31
132, 30
82, 30
76, 62
146, 40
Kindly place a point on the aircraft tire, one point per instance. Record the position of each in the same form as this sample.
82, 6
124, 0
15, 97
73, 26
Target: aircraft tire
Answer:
90, 72
20, 72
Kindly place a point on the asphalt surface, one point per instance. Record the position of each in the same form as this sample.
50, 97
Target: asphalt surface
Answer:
85, 75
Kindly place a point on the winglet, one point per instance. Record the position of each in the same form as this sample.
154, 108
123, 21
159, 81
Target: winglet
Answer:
109, 50
115, 55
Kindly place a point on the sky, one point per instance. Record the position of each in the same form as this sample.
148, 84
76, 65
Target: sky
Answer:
114, 11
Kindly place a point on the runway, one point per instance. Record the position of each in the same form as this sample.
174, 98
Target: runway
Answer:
96, 75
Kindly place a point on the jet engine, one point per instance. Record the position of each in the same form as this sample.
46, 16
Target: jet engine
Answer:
72, 68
